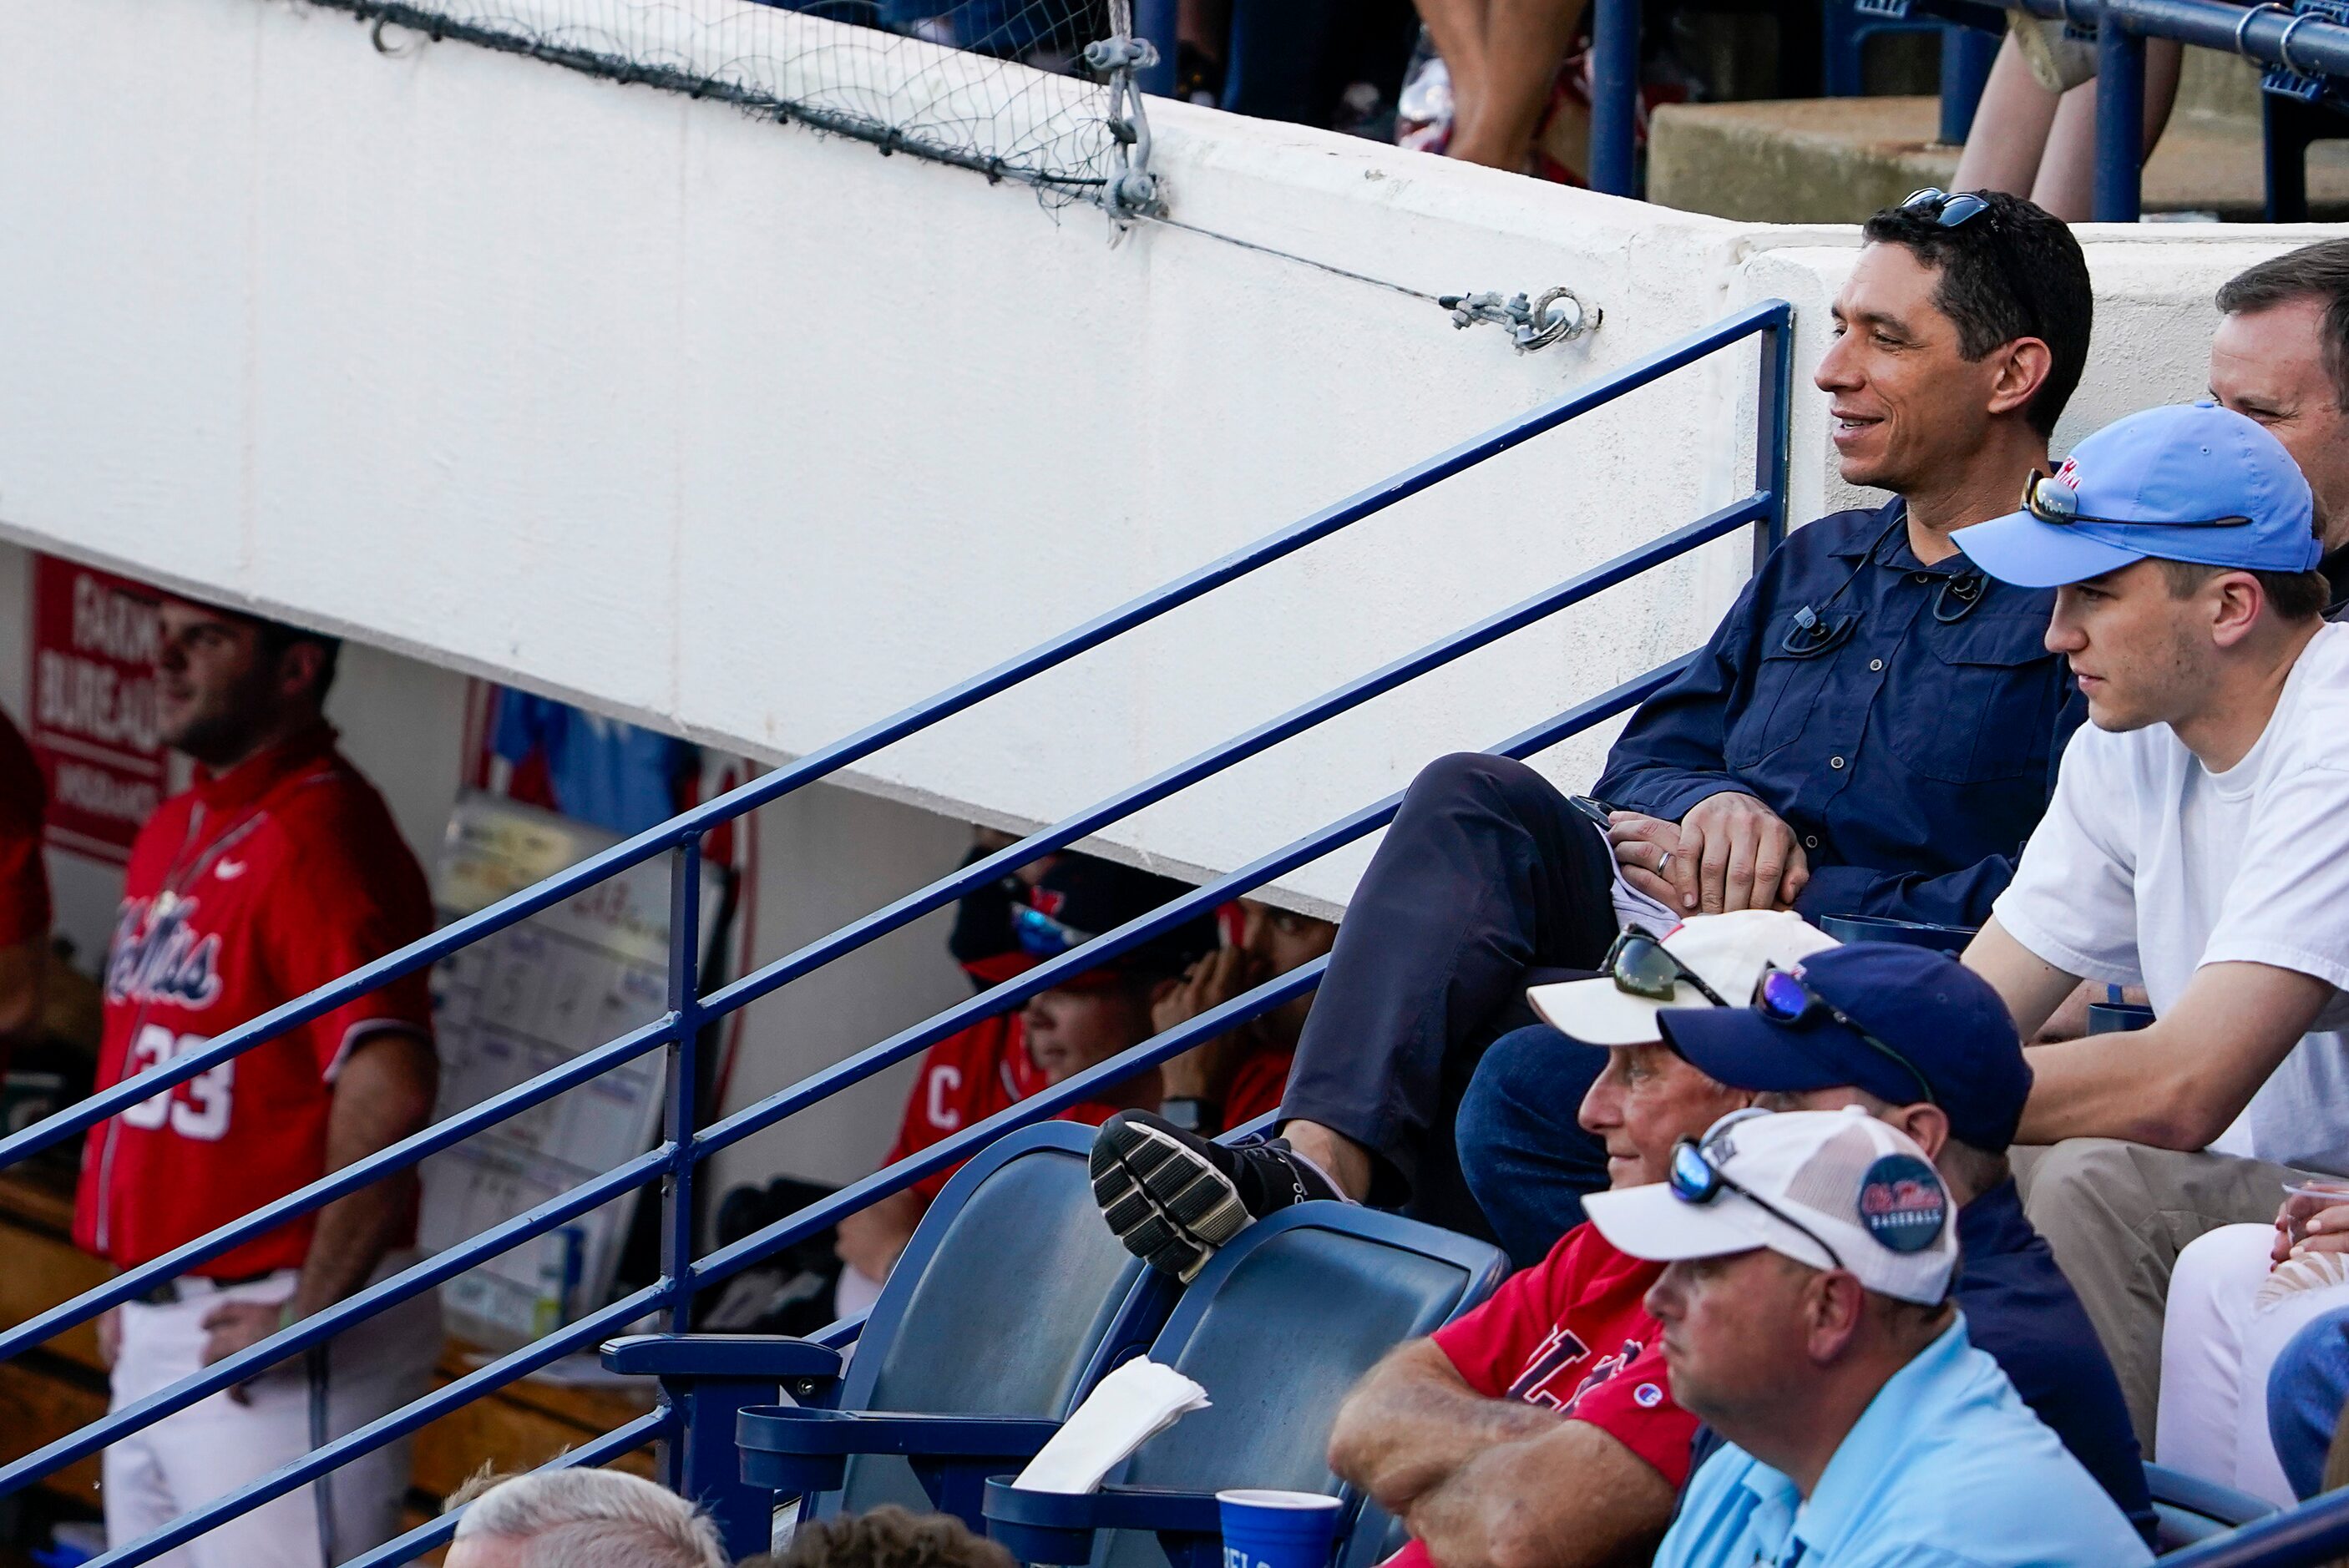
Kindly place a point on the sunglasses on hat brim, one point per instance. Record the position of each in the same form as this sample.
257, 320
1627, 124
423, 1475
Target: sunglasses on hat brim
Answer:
2056, 503
1697, 1179
1639, 962
1783, 997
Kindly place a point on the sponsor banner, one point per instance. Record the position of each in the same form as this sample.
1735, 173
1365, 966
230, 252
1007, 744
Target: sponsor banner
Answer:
92, 712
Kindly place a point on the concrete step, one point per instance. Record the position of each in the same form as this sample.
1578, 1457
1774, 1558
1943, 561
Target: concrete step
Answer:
1835, 160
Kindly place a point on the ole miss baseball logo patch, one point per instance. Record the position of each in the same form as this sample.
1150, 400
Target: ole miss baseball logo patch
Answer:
1902, 1202
158, 957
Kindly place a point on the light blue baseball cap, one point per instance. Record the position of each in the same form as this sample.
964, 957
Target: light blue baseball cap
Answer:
2191, 482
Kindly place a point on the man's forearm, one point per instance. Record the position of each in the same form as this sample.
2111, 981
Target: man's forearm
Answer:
353, 1234
1414, 1423
2180, 1082
1572, 1497
383, 1095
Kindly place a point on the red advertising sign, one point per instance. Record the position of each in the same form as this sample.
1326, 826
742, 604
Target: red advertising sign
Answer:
93, 708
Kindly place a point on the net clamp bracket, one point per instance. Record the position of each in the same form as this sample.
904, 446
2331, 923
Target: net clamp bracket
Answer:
1558, 316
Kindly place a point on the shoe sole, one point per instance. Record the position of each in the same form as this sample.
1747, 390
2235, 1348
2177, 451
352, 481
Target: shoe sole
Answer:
1171, 1208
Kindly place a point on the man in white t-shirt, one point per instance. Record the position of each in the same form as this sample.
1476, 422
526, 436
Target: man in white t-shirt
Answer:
2197, 845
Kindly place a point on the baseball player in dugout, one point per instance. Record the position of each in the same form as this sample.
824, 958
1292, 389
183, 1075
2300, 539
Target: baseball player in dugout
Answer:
278, 871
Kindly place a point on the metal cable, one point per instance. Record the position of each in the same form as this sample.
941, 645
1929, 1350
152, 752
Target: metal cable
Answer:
1291, 256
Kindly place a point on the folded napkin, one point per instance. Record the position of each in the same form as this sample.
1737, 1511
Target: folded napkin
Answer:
1125, 1410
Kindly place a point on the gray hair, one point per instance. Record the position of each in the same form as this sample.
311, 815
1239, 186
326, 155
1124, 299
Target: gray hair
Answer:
589, 1518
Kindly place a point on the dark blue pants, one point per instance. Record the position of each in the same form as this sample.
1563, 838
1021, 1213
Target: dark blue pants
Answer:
1522, 1154
1488, 882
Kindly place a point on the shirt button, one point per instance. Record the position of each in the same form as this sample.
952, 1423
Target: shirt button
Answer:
1920, 577
1875, 663
1834, 761
1810, 840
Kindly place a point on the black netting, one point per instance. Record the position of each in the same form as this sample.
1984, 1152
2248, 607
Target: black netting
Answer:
1002, 87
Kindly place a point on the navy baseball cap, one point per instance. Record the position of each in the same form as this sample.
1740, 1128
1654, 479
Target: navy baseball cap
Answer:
2191, 482
1927, 1012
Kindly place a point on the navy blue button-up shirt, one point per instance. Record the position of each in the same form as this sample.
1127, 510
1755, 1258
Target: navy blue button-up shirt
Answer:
1911, 757
2021, 1309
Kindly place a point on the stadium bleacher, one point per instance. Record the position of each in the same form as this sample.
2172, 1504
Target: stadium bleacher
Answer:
1013, 1301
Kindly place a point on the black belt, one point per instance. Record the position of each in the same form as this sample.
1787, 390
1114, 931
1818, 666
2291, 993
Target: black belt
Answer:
168, 1291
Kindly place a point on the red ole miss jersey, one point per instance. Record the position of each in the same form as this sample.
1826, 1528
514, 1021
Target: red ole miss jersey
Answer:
966, 1078
1570, 1334
1257, 1086
245, 892
969, 1076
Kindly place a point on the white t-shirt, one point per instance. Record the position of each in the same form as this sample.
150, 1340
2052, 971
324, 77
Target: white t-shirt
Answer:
2148, 866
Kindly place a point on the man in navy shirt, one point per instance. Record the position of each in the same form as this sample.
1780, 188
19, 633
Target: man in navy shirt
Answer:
1918, 1040
1872, 730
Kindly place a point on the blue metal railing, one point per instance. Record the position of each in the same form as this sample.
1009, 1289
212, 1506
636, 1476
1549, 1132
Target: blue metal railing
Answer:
2306, 51
674, 1162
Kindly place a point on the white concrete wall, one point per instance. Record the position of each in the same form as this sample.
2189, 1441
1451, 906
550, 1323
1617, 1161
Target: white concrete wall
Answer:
756, 436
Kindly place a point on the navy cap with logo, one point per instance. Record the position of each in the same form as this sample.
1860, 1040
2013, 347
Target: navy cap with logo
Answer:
1079, 897
1905, 1024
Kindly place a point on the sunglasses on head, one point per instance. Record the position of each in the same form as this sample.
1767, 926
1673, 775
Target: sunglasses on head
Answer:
1695, 1178
1638, 963
1944, 209
2049, 501
1781, 996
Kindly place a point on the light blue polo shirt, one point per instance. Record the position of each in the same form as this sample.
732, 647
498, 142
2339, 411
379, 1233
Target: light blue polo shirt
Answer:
1947, 1467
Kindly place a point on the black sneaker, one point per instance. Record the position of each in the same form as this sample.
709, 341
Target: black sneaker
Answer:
1174, 1197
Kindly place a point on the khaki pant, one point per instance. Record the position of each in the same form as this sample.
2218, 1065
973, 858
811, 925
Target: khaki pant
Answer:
2116, 1215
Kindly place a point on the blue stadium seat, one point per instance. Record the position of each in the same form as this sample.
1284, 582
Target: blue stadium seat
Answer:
1277, 1327
1010, 1301
2190, 1509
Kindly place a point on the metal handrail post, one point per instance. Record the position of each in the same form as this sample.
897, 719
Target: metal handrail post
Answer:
1966, 57
681, 1113
2120, 121
678, 1118
1155, 21
1773, 402
1614, 96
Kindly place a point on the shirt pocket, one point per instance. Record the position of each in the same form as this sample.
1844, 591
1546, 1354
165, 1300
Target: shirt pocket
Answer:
1786, 687
1978, 701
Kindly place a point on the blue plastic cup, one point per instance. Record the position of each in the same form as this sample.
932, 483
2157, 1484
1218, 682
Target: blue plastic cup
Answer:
1278, 1529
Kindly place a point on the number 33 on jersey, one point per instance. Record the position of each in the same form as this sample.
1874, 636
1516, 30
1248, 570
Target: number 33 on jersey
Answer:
245, 892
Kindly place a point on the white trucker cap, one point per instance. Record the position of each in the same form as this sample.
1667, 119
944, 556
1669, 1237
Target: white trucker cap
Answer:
1728, 952
1827, 1188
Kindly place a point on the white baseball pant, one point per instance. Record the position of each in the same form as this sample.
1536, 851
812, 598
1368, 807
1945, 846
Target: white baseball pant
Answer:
218, 1445
2218, 1346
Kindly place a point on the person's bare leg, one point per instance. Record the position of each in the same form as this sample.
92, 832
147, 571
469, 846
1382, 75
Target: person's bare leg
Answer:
1457, 27
2011, 126
1341, 1159
1524, 43
2067, 175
